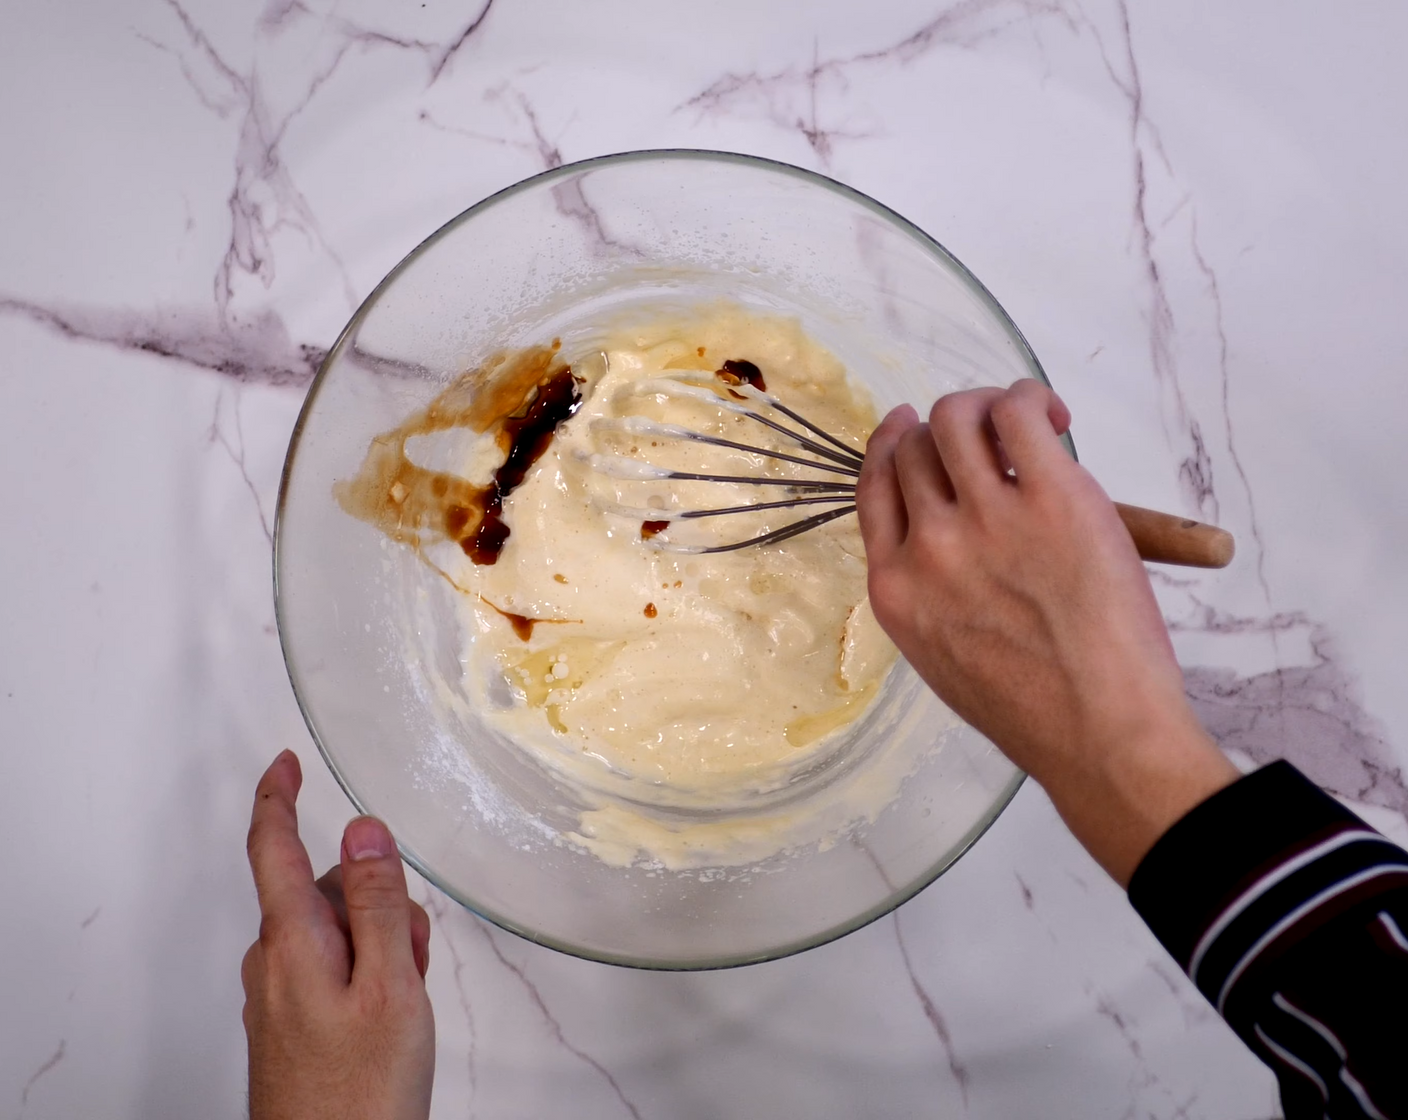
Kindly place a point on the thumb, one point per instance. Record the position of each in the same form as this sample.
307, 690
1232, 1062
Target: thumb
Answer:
378, 913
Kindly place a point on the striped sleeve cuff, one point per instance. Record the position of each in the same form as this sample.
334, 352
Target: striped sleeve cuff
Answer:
1255, 870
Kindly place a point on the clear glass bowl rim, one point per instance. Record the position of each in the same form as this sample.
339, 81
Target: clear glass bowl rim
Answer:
545, 179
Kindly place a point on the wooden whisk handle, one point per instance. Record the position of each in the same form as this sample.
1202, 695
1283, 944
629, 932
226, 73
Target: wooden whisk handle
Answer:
1164, 538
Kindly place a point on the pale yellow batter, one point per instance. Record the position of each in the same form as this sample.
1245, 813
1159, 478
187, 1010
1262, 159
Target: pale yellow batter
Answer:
699, 679
681, 697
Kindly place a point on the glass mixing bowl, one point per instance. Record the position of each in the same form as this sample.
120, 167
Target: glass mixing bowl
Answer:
369, 632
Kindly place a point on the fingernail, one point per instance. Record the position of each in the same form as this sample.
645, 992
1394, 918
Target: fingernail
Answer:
367, 838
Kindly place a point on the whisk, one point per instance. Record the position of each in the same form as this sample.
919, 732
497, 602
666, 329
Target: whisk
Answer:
1158, 537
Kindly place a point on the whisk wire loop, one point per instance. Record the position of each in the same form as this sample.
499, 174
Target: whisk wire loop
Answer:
838, 458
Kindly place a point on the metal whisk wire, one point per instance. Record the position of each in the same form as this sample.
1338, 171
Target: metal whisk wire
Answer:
838, 458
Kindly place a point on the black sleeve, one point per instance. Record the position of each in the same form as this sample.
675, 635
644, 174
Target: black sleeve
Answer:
1290, 914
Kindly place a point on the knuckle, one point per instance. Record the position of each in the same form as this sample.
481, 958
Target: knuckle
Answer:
381, 996
279, 941
377, 893
911, 453
250, 965
935, 539
946, 410
1006, 408
864, 486
942, 556
271, 929
887, 598
375, 997
961, 410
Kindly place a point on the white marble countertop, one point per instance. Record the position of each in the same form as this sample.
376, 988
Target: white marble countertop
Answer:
1192, 210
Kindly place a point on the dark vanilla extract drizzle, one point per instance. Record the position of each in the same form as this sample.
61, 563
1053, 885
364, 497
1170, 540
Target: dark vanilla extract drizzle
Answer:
738, 371
528, 437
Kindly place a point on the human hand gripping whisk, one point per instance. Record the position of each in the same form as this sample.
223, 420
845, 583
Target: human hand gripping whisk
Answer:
1158, 537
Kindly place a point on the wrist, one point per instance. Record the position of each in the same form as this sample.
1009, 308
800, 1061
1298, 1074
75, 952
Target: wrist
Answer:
1127, 789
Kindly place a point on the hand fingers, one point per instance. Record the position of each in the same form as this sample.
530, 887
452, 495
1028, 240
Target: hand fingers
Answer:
879, 502
378, 907
283, 876
250, 969
420, 938
963, 433
1029, 420
251, 964
1058, 414
924, 482
331, 887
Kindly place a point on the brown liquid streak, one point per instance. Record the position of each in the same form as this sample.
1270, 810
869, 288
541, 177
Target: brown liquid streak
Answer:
526, 394
528, 437
739, 371
522, 624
